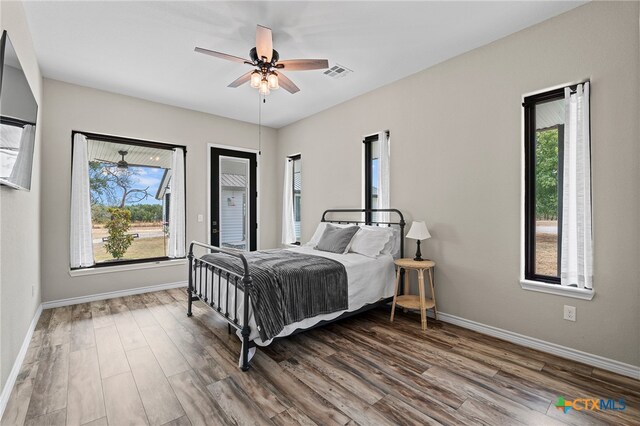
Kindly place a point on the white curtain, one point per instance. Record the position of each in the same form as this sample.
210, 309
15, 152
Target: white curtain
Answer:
21, 172
577, 250
177, 238
288, 218
81, 254
385, 172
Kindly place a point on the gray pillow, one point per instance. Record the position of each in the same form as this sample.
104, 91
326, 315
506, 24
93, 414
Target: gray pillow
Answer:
336, 240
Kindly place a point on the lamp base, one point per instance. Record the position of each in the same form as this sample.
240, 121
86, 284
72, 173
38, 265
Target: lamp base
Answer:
418, 254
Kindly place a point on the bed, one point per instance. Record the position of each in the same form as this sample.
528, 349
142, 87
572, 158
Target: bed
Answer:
270, 294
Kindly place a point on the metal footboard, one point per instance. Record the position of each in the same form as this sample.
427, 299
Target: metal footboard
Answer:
207, 279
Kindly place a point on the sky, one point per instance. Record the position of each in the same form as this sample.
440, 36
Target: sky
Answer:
151, 177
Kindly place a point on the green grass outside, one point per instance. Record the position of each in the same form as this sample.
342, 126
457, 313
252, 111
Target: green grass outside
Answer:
140, 249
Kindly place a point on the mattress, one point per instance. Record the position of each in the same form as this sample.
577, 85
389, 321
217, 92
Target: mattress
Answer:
369, 280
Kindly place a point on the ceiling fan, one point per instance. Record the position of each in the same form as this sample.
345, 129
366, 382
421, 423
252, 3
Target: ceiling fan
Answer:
266, 61
122, 164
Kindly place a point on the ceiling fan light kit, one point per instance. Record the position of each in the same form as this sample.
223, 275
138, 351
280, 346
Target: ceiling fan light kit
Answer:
264, 82
265, 60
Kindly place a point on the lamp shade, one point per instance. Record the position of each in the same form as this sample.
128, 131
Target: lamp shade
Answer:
418, 231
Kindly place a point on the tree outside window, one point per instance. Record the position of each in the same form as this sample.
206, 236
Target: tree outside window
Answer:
129, 201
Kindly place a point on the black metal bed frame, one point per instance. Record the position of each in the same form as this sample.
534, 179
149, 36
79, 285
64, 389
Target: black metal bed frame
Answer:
206, 279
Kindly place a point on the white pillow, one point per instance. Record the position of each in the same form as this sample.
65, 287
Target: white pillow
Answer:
392, 246
320, 230
369, 242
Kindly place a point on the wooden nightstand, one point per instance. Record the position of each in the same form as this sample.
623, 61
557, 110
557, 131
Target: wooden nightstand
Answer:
420, 301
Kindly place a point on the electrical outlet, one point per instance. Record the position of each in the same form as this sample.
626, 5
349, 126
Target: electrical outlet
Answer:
569, 313
200, 218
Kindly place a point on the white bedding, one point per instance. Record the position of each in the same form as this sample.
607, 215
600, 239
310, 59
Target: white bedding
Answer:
369, 280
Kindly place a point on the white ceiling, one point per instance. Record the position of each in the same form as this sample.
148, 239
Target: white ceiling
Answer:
145, 49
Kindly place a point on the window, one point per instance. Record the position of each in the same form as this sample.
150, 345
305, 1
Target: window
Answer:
371, 174
131, 188
296, 164
556, 157
376, 175
544, 123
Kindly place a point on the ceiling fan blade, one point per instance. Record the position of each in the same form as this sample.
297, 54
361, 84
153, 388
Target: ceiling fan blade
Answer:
303, 64
264, 42
241, 80
221, 55
287, 84
105, 161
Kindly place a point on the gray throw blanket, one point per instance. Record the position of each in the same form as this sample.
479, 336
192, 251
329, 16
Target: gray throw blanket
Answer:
289, 286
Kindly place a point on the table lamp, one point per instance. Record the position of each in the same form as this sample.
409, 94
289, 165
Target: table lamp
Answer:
418, 232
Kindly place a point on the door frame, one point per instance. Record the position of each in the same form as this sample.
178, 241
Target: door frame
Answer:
241, 149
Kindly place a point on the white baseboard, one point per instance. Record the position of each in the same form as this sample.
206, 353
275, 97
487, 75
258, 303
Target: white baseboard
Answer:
111, 295
608, 364
17, 364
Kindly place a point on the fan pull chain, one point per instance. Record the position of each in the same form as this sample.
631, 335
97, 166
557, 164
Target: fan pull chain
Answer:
260, 97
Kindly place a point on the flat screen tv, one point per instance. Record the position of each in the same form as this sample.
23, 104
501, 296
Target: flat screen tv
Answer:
18, 113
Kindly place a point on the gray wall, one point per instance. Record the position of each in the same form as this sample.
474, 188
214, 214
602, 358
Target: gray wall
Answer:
19, 217
456, 140
69, 107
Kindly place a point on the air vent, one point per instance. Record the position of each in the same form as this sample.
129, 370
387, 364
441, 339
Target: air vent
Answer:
338, 71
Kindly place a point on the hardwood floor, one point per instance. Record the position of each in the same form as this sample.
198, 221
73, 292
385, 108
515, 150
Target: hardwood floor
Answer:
140, 360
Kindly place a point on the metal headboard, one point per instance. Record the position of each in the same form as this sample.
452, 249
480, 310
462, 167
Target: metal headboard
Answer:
400, 223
